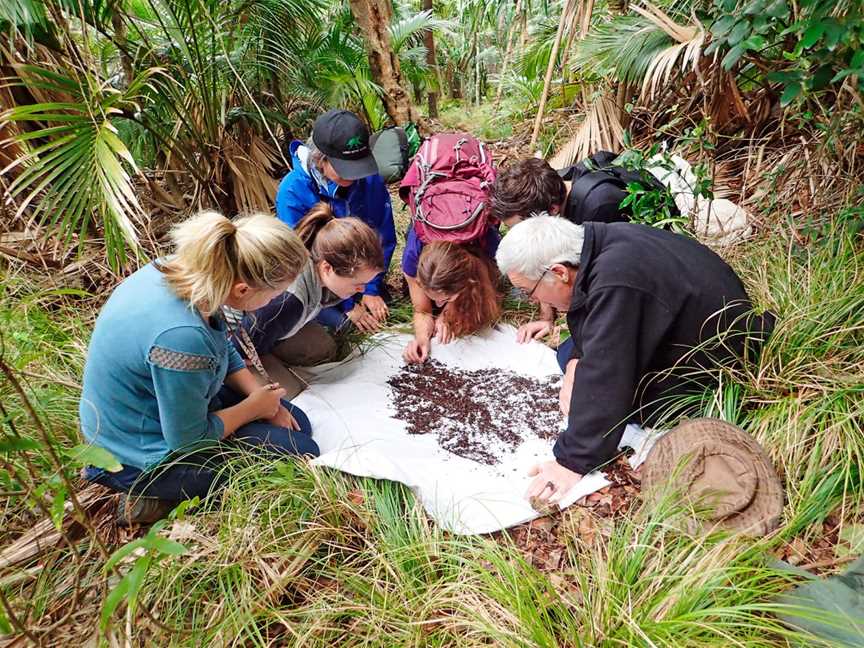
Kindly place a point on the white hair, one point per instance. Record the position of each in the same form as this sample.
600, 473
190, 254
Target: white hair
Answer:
536, 243
316, 155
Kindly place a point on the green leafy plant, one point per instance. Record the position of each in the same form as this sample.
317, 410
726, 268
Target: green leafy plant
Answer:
153, 548
76, 172
653, 206
649, 204
808, 46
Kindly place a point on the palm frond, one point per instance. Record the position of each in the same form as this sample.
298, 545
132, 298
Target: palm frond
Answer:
533, 61
75, 169
645, 49
600, 130
410, 30
688, 47
22, 15
250, 158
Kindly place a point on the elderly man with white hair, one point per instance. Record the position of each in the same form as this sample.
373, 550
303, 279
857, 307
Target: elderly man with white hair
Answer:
650, 313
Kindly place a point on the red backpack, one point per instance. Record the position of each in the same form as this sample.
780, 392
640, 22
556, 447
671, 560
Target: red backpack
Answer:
447, 188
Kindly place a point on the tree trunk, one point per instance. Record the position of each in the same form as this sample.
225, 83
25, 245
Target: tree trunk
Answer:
523, 36
373, 18
511, 39
454, 81
119, 28
476, 70
429, 42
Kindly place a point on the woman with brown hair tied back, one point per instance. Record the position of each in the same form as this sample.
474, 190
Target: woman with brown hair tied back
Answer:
345, 254
164, 391
460, 280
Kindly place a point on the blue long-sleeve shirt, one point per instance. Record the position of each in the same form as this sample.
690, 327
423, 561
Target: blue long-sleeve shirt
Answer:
367, 199
154, 367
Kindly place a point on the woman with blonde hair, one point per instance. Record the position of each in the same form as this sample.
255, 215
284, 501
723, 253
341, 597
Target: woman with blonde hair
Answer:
164, 391
345, 254
458, 281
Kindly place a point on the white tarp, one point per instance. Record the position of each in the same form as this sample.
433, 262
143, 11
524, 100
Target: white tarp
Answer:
349, 405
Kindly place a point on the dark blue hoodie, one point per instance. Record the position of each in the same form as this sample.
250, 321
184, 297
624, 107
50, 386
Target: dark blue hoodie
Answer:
367, 199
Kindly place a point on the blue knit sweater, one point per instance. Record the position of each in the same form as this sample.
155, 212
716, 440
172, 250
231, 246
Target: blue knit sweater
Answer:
153, 368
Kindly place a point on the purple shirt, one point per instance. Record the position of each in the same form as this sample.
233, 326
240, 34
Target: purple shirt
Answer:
414, 246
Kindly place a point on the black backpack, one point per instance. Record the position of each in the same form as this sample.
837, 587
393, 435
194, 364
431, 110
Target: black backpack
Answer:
598, 170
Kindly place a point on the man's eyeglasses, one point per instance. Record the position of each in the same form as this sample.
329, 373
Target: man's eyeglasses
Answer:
528, 295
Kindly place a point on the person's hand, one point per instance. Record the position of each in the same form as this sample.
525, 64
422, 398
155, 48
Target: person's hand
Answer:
376, 306
442, 332
566, 392
363, 319
285, 419
533, 331
417, 352
551, 482
265, 402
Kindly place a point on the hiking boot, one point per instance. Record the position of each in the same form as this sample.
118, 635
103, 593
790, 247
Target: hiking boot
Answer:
136, 509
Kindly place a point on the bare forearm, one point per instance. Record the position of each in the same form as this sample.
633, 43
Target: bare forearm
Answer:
424, 326
570, 371
547, 312
236, 416
242, 381
424, 322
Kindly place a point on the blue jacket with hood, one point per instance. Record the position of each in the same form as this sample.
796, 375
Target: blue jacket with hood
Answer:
367, 199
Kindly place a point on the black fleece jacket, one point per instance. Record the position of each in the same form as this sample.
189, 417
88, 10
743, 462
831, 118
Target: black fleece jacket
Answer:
648, 308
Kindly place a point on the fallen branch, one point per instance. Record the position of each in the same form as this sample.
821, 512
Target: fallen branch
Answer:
45, 536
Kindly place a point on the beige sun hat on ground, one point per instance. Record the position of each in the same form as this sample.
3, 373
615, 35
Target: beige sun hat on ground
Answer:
719, 466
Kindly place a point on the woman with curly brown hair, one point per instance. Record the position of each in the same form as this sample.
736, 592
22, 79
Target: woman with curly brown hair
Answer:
461, 282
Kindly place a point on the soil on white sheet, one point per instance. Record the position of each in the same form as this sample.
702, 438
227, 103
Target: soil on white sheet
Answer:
480, 414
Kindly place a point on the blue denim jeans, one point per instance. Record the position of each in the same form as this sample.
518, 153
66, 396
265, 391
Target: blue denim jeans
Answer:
564, 353
184, 475
333, 317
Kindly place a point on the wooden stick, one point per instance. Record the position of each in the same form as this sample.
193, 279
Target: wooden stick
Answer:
565, 11
44, 534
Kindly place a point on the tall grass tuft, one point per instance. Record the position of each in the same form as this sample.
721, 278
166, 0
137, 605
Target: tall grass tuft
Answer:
804, 399
805, 402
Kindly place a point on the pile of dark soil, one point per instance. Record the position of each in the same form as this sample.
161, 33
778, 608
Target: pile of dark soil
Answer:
480, 414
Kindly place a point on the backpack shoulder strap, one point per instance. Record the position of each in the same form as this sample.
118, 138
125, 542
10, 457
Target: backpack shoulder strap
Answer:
403, 137
588, 182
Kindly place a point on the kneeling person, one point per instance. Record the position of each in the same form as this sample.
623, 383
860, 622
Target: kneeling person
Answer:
345, 255
453, 292
650, 314
164, 391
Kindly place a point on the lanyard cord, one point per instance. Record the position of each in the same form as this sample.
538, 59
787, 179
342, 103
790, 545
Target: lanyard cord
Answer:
242, 337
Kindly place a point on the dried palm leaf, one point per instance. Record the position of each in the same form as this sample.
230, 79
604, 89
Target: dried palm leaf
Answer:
661, 19
600, 130
687, 48
250, 165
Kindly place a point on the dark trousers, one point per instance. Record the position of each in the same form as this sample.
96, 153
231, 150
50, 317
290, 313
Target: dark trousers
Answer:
184, 475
